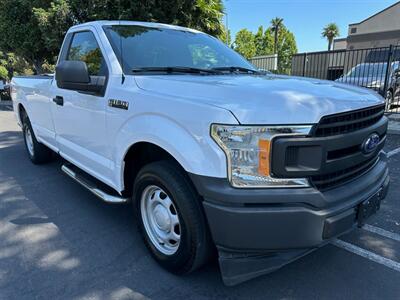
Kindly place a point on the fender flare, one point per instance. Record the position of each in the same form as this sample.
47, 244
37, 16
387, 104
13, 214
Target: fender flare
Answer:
196, 154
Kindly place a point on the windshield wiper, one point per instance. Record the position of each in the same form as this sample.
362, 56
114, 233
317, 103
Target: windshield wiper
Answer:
170, 70
236, 70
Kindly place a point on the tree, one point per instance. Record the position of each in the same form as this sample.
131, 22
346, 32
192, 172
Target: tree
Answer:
276, 26
226, 37
264, 42
3, 73
285, 45
244, 43
286, 48
330, 32
204, 15
25, 32
14, 64
34, 29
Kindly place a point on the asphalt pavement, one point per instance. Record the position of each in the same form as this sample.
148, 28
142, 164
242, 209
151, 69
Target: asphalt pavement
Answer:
58, 241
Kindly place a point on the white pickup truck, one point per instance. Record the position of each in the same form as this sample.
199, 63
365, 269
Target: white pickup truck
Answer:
212, 154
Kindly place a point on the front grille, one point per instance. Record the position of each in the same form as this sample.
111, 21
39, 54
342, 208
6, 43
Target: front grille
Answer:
330, 180
345, 123
349, 121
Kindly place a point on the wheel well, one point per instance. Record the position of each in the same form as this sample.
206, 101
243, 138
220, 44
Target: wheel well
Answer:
139, 155
21, 112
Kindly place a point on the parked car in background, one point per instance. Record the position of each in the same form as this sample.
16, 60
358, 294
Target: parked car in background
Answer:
393, 91
5, 90
370, 75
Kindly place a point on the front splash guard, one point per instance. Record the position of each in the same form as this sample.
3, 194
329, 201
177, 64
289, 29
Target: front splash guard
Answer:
238, 267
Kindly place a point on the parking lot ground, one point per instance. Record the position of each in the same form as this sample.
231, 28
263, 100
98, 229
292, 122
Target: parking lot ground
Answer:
58, 241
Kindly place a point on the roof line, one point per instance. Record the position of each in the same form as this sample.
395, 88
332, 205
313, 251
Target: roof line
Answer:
379, 12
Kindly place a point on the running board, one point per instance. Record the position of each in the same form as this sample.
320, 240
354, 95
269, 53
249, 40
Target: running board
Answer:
92, 186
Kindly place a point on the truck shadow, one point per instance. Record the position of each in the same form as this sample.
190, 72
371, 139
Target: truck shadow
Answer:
62, 241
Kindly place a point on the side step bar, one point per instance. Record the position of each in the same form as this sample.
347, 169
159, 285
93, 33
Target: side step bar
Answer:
92, 187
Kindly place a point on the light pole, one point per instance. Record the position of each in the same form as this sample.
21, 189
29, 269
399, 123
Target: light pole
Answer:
226, 24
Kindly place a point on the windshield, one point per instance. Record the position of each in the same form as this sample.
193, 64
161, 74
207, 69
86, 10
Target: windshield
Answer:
146, 47
368, 70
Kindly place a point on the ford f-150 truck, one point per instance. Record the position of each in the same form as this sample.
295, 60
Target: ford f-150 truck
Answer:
215, 156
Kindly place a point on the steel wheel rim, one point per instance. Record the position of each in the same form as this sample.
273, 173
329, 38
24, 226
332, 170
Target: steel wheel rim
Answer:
160, 219
29, 141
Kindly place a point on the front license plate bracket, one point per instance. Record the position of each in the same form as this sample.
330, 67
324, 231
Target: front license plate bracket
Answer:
368, 208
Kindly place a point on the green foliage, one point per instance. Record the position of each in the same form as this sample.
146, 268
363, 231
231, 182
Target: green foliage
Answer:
3, 73
53, 22
286, 48
204, 15
34, 29
14, 64
330, 32
245, 43
21, 31
276, 25
226, 37
263, 43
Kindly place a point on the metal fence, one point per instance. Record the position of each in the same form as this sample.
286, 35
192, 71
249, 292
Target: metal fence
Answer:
374, 68
266, 62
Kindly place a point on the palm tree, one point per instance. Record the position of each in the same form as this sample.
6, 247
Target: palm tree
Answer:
276, 23
330, 32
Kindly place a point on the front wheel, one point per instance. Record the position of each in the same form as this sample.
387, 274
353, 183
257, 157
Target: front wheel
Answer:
170, 217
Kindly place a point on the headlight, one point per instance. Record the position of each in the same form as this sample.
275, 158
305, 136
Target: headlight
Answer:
248, 151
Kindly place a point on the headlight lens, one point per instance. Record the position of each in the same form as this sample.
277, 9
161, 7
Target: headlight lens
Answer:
248, 151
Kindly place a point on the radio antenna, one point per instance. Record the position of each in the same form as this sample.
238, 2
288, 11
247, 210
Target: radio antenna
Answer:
120, 41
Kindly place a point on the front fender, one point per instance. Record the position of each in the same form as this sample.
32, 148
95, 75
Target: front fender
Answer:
195, 150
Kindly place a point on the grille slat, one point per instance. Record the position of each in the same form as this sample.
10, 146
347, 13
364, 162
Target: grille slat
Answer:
336, 178
349, 121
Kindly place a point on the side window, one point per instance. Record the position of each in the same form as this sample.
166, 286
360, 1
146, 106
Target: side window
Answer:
84, 47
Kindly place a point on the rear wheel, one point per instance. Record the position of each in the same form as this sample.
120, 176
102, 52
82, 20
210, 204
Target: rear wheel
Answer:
170, 217
37, 152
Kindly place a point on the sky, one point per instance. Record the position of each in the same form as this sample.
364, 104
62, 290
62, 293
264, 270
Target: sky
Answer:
305, 18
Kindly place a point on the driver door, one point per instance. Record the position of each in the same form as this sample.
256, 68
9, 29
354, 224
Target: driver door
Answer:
79, 117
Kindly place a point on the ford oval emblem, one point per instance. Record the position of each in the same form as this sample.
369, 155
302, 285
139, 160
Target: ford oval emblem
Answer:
370, 143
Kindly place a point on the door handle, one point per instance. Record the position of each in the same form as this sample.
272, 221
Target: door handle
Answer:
58, 100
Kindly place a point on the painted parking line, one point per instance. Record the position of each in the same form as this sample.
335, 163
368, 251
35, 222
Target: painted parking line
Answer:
393, 152
382, 232
367, 254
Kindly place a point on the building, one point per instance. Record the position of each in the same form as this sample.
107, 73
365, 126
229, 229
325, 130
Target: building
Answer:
340, 44
380, 30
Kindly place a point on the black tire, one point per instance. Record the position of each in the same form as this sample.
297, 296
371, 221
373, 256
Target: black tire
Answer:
195, 247
39, 153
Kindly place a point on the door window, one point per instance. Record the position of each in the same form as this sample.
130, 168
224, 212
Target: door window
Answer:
84, 47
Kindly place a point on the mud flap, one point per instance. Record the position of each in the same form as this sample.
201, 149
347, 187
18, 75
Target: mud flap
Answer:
240, 267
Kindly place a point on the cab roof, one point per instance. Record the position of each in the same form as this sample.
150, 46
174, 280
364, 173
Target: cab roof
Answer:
102, 23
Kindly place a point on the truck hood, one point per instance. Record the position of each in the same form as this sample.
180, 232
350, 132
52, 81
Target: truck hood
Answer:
268, 99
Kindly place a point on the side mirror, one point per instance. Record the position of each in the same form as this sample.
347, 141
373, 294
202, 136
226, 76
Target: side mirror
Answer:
74, 75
